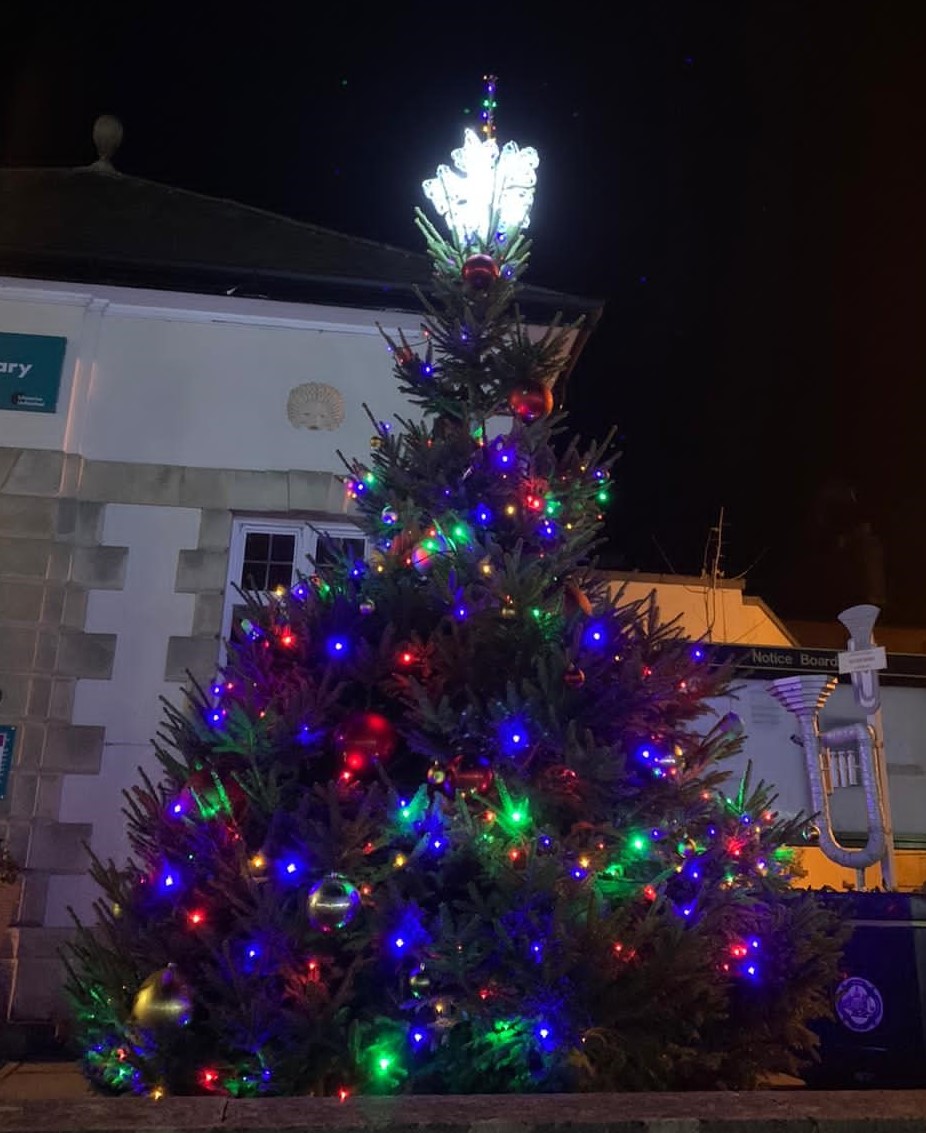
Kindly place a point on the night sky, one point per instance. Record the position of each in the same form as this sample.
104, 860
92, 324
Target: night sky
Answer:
743, 184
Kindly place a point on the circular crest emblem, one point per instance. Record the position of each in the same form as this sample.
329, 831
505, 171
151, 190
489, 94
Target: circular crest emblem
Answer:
859, 1004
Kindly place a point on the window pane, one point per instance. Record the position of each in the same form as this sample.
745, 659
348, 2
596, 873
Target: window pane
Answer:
282, 548
257, 546
254, 576
330, 546
279, 574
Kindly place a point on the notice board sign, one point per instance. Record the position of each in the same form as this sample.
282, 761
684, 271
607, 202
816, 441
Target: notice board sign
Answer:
7, 740
30, 371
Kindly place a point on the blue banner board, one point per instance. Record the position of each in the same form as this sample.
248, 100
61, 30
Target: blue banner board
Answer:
7, 739
30, 371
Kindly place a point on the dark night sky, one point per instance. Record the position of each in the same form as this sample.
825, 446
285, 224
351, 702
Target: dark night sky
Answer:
743, 182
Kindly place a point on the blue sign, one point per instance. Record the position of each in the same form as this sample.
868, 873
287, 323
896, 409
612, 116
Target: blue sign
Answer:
859, 1004
7, 739
30, 371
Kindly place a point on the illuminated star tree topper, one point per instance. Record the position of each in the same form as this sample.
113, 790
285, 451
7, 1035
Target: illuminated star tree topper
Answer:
487, 196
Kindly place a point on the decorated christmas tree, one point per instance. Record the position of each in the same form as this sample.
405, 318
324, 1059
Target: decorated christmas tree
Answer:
452, 818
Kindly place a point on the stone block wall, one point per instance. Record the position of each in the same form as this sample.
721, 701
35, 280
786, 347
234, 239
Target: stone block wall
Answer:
52, 558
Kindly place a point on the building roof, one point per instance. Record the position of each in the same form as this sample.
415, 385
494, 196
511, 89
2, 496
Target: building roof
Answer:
99, 226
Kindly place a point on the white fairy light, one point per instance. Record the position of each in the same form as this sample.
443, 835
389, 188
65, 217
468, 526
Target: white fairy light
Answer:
489, 186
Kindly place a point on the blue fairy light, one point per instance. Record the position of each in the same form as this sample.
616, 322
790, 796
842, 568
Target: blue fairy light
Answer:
290, 869
482, 514
300, 591
513, 736
543, 1032
338, 647
595, 636
461, 612
417, 1037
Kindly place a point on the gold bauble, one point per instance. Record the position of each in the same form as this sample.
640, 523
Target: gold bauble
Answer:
163, 1001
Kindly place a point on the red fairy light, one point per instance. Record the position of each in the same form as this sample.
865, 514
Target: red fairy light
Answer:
406, 658
647, 671
343, 1094
314, 971
366, 890
356, 761
287, 638
196, 917
649, 893
122, 1054
208, 1078
368, 847
514, 855
682, 686
734, 847
738, 951
484, 993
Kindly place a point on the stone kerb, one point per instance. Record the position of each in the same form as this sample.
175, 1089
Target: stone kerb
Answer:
759, 1112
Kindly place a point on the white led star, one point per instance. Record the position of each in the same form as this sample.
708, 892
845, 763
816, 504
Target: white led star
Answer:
489, 189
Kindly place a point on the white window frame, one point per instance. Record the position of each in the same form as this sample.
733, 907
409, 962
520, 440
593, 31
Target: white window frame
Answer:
306, 531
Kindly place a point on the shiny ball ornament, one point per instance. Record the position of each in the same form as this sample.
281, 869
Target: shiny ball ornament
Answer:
731, 725
440, 780
531, 401
811, 834
367, 607
426, 553
376, 443
209, 795
389, 516
333, 903
472, 775
163, 1002
419, 982
364, 738
480, 272
508, 610
574, 677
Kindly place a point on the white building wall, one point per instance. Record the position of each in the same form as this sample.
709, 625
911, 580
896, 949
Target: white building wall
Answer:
144, 615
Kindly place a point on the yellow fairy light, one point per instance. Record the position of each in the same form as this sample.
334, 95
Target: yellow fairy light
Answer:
157, 1093
585, 861
258, 862
510, 509
399, 861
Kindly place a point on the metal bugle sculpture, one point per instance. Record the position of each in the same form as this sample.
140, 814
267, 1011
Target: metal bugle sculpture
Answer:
805, 697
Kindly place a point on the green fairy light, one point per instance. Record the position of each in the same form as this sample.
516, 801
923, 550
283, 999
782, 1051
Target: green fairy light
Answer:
553, 506
637, 843
602, 495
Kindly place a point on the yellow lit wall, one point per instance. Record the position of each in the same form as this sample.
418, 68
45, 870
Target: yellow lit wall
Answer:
911, 871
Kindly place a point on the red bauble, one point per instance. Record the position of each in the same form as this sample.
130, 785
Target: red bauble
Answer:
576, 599
574, 677
531, 401
212, 795
364, 738
480, 272
471, 774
